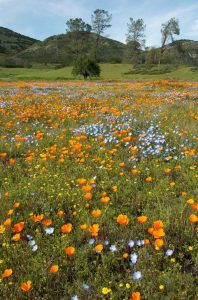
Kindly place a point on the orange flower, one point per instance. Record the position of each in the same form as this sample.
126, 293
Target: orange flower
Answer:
67, 228
123, 220
88, 196
142, 219
146, 242
135, 171
10, 212
94, 229
83, 227
54, 269
158, 224
96, 213
158, 233
193, 218
70, 251
18, 227
105, 199
47, 222
11, 161
114, 188
121, 164
26, 286
87, 188
194, 206
167, 171
125, 255
7, 273
150, 230
16, 237
7, 222
16, 204
135, 296
99, 248
37, 218
81, 180
60, 213
159, 243
149, 179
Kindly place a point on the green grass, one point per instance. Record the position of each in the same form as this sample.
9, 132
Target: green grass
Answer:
108, 72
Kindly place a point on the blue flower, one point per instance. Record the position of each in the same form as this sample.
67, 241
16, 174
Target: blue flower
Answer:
131, 243
85, 286
113, 248
169, 252
91, 241
133, 258
137, 275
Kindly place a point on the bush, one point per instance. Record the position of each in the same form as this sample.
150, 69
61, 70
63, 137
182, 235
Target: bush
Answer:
86, 67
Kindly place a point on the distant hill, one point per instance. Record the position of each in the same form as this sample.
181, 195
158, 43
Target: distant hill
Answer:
184, 51
61, 49
12, 43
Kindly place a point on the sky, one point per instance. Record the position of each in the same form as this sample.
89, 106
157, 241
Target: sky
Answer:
43, 18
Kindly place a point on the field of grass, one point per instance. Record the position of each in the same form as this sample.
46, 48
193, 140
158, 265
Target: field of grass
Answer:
108, 72
98, 188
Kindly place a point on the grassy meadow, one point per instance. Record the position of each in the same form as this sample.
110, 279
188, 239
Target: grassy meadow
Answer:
108, 72
98, 186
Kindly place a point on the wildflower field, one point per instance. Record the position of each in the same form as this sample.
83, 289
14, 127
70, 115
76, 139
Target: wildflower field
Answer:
98, 184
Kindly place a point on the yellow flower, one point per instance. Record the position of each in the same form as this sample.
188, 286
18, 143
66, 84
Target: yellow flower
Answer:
161, 287
106, 290
128, 285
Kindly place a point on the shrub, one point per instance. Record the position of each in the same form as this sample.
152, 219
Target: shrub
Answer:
86, 67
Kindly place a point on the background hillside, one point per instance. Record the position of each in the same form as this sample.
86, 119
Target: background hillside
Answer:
19, 50
12, 43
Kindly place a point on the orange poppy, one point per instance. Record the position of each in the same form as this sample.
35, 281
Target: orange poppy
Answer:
193, 218
99, 248
7, 273
159, 243
96, 213
135, 296
123, 219
26, 286
94, 229
18, 227
70, 250
66, 228
142, 219
54, 269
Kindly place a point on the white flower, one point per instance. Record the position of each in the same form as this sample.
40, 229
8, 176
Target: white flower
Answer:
34, 248
49, 230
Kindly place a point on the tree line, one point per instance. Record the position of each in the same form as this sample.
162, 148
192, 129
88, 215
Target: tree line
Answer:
135, 36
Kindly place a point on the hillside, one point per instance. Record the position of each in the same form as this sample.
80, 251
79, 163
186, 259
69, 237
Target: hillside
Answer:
12, 43
62, 49
185, 51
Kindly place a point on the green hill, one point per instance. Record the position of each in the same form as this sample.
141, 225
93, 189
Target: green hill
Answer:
20, 50
12, 43
62, 49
